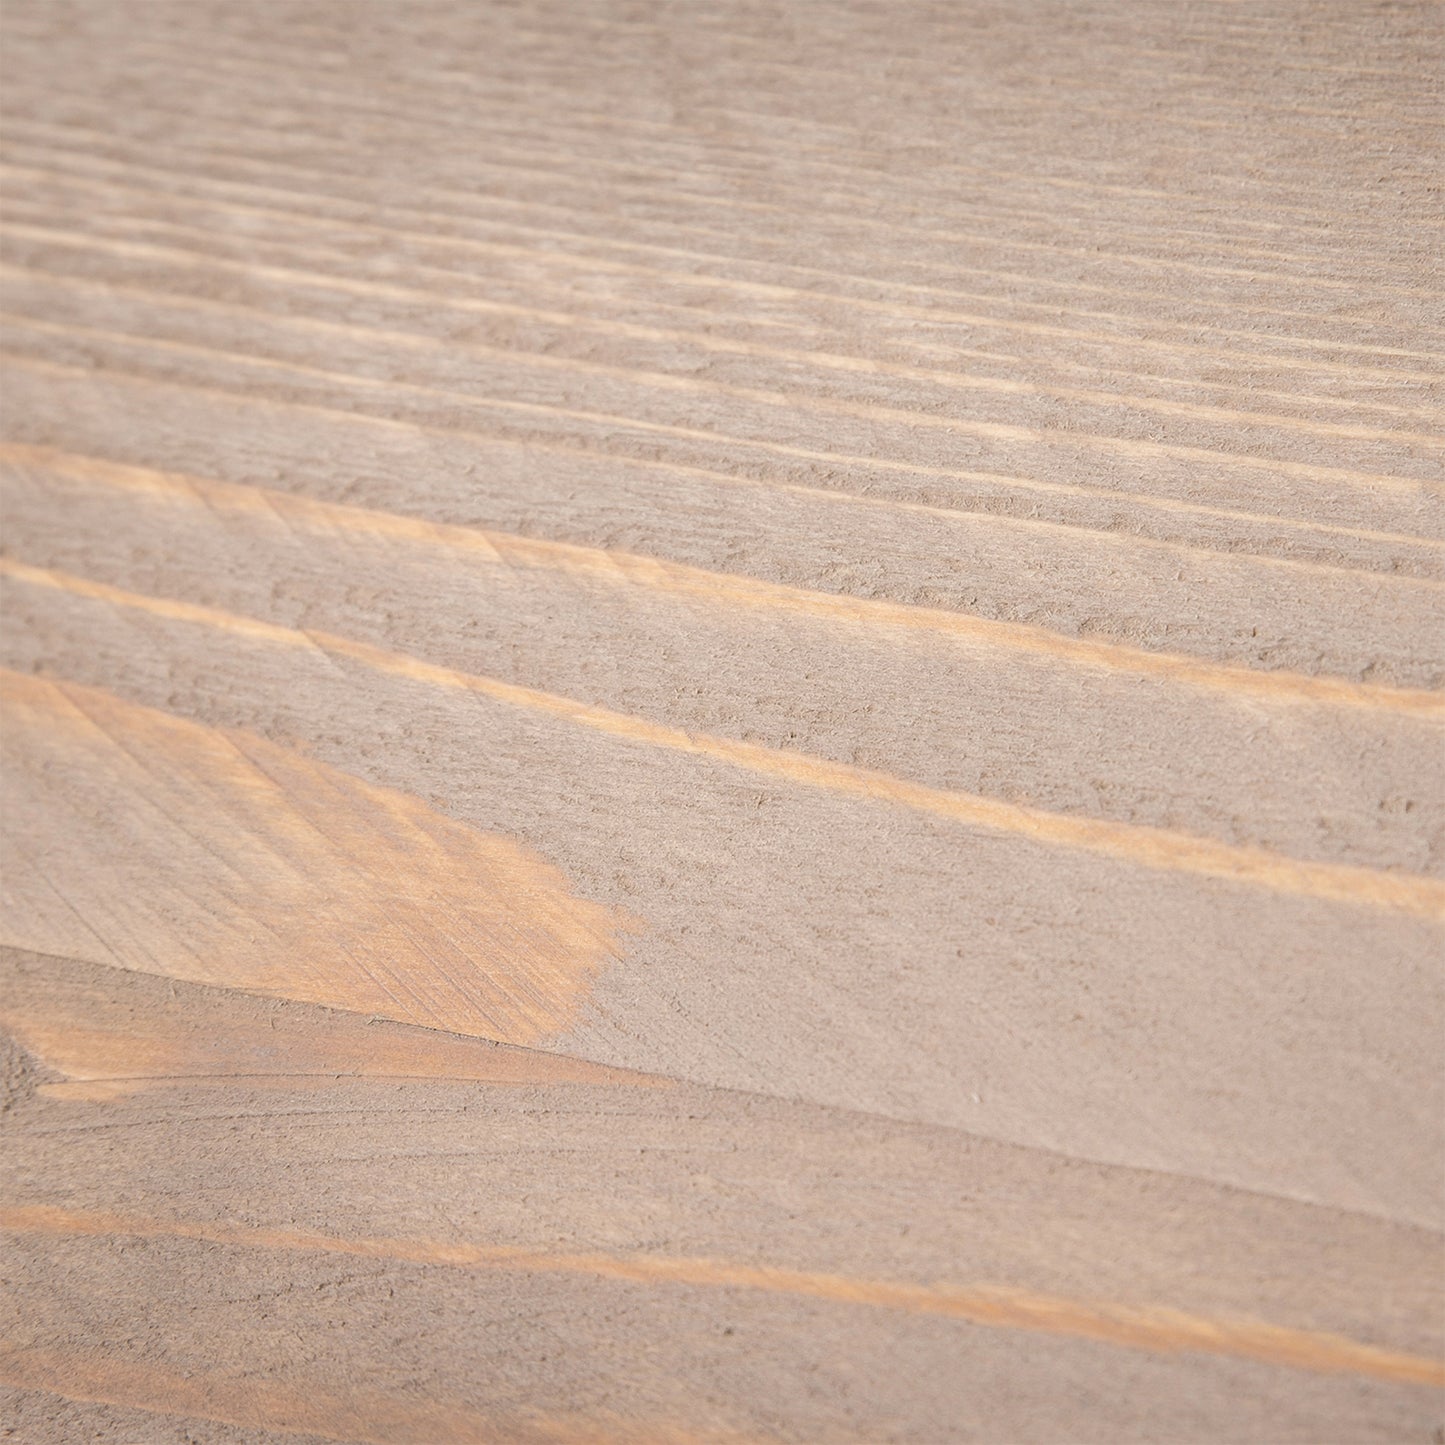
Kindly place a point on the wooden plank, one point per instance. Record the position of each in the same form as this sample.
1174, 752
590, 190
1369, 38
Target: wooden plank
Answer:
920, 1238
1206, 962
721, 724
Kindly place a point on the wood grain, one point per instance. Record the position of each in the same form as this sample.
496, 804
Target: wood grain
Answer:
393, 908
772, 1211
722, 722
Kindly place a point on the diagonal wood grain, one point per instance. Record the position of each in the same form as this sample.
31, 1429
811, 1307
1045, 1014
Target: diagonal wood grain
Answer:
721, 722
394, 908
959, 1242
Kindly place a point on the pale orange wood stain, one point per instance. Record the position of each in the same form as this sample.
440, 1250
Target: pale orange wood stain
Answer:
1153, 1328
1148, 847
364, 1415
219, 857
719, 589
108, 1052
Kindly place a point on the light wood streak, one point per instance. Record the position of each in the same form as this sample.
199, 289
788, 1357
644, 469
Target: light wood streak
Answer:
658, 575
991, 1305
367, 1415
961, 425
104, 1052
590, 264
1153, 848
1429, 547
706, 341
312, 182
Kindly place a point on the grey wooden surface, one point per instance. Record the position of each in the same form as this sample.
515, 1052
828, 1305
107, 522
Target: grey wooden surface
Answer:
722, 722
